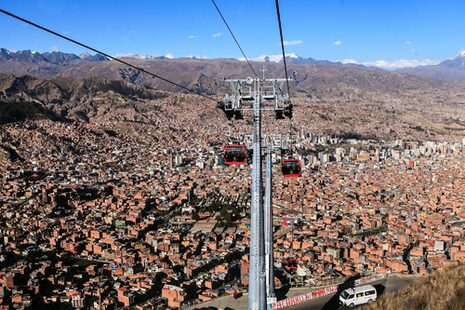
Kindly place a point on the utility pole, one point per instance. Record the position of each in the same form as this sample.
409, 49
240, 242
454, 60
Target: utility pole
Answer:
269, 262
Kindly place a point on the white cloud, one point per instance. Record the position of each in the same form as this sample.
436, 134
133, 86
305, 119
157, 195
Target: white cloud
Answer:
127, 37
55, 48
191, 36
349, 61
139, 56
409, 45
337, 43
197, 57
293, 42
393, 64
271, 58
152, 57
216, 35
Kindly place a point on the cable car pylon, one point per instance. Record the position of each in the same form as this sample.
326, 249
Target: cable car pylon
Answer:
268, 212
257, 92
257, 279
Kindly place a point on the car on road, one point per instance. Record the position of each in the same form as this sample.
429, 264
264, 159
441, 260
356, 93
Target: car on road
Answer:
358, 296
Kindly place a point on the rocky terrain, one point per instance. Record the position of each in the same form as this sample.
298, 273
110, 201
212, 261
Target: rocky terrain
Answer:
329, 97
433, 113
444, 289
42, 64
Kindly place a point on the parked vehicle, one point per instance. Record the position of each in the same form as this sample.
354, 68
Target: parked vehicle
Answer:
358, 296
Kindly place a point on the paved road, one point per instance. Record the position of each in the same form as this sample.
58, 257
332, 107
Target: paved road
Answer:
392, 284
389, 285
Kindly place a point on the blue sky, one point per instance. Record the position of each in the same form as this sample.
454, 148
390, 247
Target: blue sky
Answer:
363, 31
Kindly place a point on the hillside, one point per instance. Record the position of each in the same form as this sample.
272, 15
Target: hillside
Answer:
315, 80
27, 97
445, 289
429, 113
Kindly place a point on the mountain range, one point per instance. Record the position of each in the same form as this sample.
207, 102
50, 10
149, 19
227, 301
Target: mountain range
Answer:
448, 70
206, 74
55, 57
316, 79
42, 64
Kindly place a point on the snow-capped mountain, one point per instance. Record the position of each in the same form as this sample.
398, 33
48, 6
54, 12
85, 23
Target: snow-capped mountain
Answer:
290, 58
458, 62
448, 70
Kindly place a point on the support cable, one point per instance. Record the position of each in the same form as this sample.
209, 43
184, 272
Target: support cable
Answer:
282, 47
105, 54
234, 37
285, 65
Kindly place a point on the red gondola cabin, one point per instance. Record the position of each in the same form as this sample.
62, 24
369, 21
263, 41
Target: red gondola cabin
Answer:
291, 168
235, 154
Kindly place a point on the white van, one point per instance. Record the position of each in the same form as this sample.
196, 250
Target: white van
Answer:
358, 296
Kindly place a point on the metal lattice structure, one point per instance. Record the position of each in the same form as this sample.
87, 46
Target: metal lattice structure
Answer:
268, 213
253, 94
244, 92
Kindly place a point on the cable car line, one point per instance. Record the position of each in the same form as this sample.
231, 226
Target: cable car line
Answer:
282, 47
234, 37
105, 54
291, 167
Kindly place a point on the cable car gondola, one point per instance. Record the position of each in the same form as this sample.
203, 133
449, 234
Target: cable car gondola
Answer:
291, 168
235, 154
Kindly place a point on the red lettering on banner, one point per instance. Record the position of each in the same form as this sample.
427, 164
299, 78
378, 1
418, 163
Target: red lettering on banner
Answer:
318, 293
304, 297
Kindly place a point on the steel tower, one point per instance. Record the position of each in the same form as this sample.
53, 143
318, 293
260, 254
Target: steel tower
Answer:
268, 212
257, 283
257, 92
